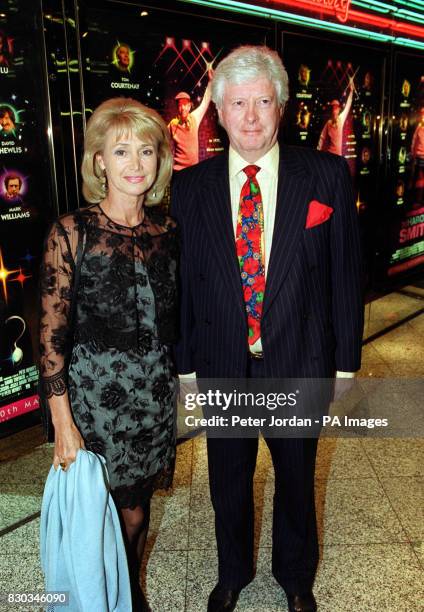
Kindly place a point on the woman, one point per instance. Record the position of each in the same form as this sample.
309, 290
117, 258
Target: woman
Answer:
117, 396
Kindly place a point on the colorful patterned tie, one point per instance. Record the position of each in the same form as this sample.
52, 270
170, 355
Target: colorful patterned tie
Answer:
250, 250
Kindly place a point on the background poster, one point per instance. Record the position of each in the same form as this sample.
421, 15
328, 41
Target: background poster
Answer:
407, 167
25, 206
335, 101
165, 67
336, 106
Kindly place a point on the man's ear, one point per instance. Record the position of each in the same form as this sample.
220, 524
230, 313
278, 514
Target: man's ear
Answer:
219, 111
282, 107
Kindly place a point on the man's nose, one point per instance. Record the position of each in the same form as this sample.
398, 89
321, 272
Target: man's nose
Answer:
251, 112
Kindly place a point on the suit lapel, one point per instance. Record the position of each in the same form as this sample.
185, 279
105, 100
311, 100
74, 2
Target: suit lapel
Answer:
216, 215
293, 196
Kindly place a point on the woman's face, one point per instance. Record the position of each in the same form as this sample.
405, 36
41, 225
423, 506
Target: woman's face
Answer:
130, 163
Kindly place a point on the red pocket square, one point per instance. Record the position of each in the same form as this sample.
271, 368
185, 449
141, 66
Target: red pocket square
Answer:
318, 213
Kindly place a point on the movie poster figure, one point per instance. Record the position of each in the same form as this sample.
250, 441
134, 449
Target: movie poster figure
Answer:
400, 192
366, 89
304, 91
417, 155
406, 88
13, 206
12, 184
366, 123
123, 68
402, 158
6, 51
403, 125
303, 76
7, 121
184, 128
123, 58
366, 155
331, 138
303, 117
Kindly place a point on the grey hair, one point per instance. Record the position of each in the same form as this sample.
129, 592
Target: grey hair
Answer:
247, 63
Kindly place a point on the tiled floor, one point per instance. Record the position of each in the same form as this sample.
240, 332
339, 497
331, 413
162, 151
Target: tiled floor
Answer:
370, 501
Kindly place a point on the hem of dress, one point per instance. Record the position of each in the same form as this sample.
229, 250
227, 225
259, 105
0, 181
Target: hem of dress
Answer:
140, 493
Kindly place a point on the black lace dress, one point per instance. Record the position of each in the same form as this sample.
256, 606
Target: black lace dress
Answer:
121, 379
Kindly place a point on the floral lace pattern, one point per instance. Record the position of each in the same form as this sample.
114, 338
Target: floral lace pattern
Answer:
106, 304
120, 377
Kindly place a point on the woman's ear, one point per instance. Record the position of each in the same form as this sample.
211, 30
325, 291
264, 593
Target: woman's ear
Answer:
99, 160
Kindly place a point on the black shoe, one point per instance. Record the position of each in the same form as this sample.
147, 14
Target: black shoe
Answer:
222, 600
301, 602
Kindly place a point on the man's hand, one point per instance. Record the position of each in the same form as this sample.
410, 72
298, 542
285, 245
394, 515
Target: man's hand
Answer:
188, 386
341, 387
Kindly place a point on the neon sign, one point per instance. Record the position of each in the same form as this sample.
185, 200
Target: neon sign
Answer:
340, 7
383, 28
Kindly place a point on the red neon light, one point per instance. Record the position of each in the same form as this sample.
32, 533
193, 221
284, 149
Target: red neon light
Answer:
339, 8
388, 24
328, 7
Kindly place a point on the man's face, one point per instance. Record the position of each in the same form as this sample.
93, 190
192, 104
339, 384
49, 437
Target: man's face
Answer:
13, 187
304, 74
123, 54
251, 116
335, 111
184, 108
6, 122
367, 80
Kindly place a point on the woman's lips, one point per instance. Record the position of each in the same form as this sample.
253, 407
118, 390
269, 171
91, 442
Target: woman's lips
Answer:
134, 179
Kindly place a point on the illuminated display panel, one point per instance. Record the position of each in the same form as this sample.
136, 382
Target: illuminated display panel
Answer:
399, 23
165, 66
25, 203
406, 183
325, 113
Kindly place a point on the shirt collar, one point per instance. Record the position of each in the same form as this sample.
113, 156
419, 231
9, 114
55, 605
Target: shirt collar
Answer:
268, 163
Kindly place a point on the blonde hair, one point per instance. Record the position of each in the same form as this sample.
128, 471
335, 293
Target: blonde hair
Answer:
124, 115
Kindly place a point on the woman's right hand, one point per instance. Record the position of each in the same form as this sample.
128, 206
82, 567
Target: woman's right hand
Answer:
68, 441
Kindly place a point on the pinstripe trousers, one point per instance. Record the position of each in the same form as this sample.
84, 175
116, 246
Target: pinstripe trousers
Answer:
294, 534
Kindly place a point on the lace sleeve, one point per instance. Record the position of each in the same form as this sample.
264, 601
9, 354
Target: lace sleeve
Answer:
56, 276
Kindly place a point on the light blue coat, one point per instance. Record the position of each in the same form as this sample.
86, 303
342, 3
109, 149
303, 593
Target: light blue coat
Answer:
82, 550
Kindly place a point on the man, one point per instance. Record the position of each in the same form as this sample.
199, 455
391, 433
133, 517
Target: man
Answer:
331, 138
7, 119
12, 185
271, 288
304, 75
184, 128
123, 56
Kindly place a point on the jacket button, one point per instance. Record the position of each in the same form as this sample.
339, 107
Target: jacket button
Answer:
306, 315
207, 322
202, 277
312, 268
206, 362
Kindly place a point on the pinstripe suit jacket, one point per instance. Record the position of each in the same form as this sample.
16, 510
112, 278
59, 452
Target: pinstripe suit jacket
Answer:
313, 311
